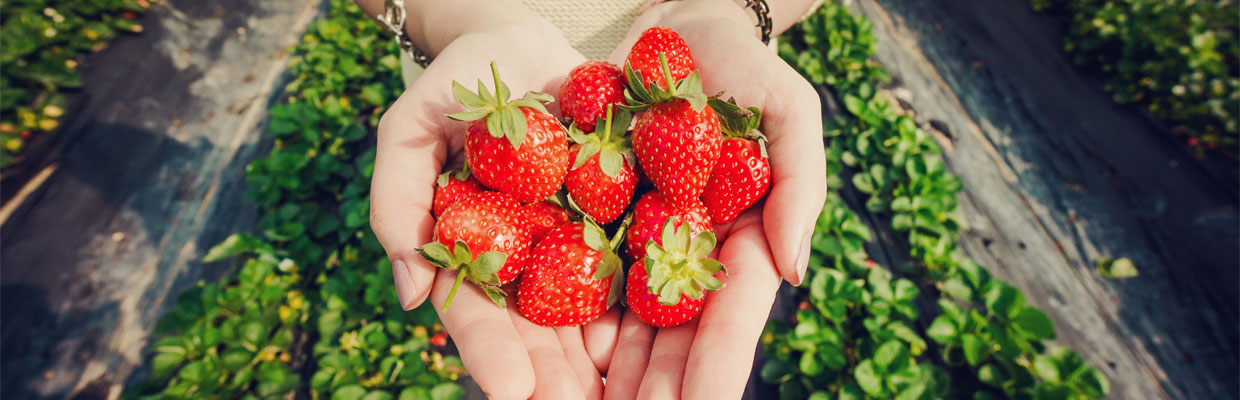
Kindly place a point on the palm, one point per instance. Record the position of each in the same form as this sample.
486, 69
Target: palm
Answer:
711, 356
507, 355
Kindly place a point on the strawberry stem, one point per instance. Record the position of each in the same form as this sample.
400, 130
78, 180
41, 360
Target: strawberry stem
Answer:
495, 75
607, 125
667, 73
460, 276
624, 225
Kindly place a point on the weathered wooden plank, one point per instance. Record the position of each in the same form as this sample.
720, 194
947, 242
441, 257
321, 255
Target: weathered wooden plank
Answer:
1056, 175
155, 176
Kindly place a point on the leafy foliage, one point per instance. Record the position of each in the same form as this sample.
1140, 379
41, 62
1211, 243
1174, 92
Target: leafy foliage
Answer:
984, 328
1178, 60
40, 45
312, 190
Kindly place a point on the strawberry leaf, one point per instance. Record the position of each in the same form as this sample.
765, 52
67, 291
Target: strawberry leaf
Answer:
467, 98
701, 245
436, 253
461, 253
488, 263
617, 288
610, 161
496, 295
470, 115
607, 266
485, 93
594, 236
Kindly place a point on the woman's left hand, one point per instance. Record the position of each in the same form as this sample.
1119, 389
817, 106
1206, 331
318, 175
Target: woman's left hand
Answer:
711, 357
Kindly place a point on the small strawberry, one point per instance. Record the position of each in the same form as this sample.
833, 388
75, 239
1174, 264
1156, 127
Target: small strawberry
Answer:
602, 179
512, 147
588, 90
484, 239
667, 287
743, 173
451, 187
573, 276
544, 216
644, 57
652, 212
677, 137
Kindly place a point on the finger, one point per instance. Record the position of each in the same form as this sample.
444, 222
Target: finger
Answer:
408, 158
574, 347
666, 372
600, 338
732, 319
793, 124
553, 376
490, 346
628, 363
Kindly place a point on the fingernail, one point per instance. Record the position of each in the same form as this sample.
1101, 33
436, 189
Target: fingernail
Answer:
404, 283
803, 258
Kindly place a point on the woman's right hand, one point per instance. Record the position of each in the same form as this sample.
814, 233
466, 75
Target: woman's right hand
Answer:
506, 354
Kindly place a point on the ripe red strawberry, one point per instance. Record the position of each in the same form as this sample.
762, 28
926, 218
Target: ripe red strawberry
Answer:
677, 146
572, 276
667, 287
676, 138
542, 217
588, 90
743, 173
453, 186
484, 239
602, 179
513, 147
644, 57
652, 212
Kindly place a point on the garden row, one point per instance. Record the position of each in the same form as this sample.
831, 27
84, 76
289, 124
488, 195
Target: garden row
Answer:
313, 303
1178, 60
855, 334
41, 42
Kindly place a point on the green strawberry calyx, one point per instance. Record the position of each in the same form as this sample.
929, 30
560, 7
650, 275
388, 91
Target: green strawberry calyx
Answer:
640, 97
482, 270
596, 238
679, 266
608, 141
737, 122
504, 119
446, 178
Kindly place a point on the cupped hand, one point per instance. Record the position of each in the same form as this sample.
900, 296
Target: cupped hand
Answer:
508, 356
711, 357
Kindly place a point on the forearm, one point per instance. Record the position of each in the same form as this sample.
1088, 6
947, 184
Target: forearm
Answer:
433, 24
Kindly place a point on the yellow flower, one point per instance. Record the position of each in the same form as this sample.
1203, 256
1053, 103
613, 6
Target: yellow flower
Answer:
53, 111
349, 341
13, 144
285, 312
48, 124
372, 380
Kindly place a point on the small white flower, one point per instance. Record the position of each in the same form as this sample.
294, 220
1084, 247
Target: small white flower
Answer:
49, 32
286, 265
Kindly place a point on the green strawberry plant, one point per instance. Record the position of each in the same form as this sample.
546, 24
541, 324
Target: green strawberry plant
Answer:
41, 44
853, 336
232, 337
312, 192
1177, 60
989, 341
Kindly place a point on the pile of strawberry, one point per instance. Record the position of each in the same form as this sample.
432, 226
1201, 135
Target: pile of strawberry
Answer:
529, 207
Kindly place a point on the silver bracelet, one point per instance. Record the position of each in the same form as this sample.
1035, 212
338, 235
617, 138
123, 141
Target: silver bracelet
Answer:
393, 19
